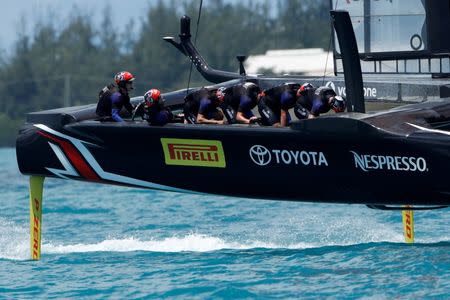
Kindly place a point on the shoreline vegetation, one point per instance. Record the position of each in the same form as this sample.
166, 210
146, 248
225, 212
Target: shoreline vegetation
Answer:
66, 62
8, 130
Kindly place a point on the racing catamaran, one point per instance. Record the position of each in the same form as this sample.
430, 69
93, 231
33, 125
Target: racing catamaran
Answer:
396, 159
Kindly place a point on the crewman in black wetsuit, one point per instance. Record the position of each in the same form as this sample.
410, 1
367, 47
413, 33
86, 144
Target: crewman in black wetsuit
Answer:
201, 107
238, 102
104, 101
208, 111
152, 109
275, 103
305, 97
192, 104
311, 102
111, 103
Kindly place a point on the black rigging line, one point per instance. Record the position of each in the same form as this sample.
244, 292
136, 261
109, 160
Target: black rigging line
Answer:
329, 46
195, 42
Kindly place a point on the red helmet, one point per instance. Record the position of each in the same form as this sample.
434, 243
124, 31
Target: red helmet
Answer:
304, 88
220, 94
152, 97
122, 78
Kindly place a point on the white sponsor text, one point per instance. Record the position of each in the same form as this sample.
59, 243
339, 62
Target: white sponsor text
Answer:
368, 162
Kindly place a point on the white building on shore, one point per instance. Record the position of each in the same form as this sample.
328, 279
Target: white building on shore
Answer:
310, 62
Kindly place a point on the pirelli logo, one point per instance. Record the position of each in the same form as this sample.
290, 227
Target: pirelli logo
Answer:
199, 153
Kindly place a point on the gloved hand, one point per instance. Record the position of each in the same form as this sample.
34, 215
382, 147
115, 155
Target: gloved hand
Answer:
255, 120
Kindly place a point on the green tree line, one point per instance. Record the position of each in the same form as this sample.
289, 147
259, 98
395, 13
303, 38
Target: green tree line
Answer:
57, 65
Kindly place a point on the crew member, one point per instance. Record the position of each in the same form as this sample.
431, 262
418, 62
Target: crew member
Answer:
209, 112
104, 101
110, 106
275, 103
238, 102
192, 104
202, 107
312, 102
305, 97
152, 109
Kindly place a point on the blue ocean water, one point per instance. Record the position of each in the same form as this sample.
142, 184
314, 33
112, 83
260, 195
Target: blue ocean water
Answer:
113, 242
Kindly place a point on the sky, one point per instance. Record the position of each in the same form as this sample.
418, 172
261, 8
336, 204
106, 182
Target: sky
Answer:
33, 10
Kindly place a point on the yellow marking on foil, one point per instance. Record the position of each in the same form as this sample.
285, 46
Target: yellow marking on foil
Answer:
36, 189
408, 225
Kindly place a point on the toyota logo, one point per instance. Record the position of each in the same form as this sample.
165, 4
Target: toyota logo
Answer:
260, 155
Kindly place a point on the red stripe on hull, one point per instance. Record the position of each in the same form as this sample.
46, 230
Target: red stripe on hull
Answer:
75, 158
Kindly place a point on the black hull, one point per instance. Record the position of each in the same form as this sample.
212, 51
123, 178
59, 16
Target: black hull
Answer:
395, 157
332, 160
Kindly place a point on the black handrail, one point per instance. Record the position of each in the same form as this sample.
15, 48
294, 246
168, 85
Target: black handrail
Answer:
186, 47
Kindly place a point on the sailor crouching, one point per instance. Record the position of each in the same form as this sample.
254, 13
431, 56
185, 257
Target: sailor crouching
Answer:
202, 107
153, 110
311, 101
238, 101
275, 104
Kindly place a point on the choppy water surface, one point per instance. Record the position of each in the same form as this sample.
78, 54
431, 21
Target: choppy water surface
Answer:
102, 241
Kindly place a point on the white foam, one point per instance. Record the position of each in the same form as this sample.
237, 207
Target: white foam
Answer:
14, 241
191, 242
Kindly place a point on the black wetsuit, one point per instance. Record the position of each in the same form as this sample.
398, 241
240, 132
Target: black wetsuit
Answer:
155, 115
104, 104
208, 108
192, 104
276, 99
238, 99
110, 105
315, 102
304, 104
